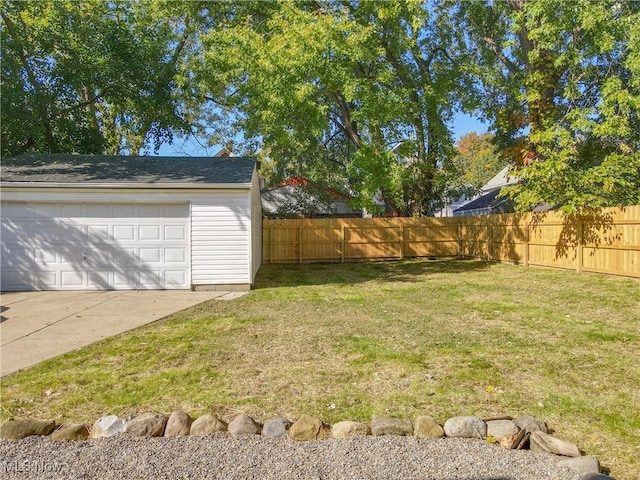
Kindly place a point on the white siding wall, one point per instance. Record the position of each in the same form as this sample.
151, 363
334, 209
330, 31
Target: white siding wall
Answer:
256, 229
220, 234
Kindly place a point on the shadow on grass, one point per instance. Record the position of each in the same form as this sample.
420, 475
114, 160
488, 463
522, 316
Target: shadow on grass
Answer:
291, 275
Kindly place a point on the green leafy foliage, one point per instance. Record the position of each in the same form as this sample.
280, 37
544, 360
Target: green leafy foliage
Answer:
561, 87
478, 159
327, 89
89, 77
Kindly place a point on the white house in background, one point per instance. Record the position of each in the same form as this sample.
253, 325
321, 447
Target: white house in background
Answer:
84, 222
488, 201
451, 205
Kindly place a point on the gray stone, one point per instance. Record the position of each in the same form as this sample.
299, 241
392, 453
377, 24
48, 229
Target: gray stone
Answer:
178, 424
348, 428
308, 428
541, 442
587, 464
146, 425
501, 428
530, 424
17, 429
108, 426
596, 476
390, 426
207, 424
427, 427
465, 427
77, 431
275, 427
244, 425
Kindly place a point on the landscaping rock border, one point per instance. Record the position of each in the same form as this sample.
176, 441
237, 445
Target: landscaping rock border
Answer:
506, 432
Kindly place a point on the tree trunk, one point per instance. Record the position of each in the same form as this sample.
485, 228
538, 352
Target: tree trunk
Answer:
546, 78
41, 104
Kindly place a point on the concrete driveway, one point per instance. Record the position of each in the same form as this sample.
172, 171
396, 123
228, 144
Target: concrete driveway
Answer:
35, 326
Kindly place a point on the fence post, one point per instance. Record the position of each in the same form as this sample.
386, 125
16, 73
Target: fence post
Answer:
299, 243
271, 242
490, 241
342, 244
579, 255
402, 242
526, 244
460, 246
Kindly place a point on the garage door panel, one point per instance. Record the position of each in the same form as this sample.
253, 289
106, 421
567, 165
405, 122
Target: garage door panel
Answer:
45, 256
37, 225
122, 257
9, 230
96, 233
150, 255
20, 258
45, 279
177, 277
149, 232
16, 280
175, 255
71, 278
95, 246
124, 233
175, 232
126, 279
98, 257
51, 232
99, 279
69, 255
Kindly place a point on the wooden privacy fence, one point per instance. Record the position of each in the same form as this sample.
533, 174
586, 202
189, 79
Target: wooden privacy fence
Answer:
606, 242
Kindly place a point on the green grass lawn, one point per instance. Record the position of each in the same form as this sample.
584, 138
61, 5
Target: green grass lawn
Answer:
345, 342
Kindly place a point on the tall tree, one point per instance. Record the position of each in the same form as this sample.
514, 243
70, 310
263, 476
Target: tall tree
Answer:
91, 76
561, 82
356, 94
478, 159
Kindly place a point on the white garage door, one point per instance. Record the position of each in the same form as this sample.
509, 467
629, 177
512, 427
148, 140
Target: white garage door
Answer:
57, 246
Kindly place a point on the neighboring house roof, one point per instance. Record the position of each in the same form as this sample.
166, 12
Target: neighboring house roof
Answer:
224, 152
100, 169
489, 200
299, 197
304, 182
500, 179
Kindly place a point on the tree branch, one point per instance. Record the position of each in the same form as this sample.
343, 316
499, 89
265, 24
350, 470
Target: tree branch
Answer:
513, 68
345, 116
39, 97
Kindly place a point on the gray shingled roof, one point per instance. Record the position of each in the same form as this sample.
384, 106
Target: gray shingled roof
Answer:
487, 200
96, 169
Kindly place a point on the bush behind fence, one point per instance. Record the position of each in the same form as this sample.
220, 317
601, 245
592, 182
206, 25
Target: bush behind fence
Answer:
603, 241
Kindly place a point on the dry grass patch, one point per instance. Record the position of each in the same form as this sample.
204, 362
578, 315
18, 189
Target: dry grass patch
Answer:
402, 338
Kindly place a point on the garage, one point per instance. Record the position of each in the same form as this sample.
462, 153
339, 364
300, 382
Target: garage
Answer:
72, 222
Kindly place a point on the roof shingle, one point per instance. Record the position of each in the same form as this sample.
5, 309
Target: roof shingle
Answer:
98, 169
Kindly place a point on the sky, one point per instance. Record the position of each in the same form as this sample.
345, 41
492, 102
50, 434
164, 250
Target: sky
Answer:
461, 125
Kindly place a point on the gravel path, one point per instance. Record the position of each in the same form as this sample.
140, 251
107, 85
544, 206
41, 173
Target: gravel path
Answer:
249, 457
